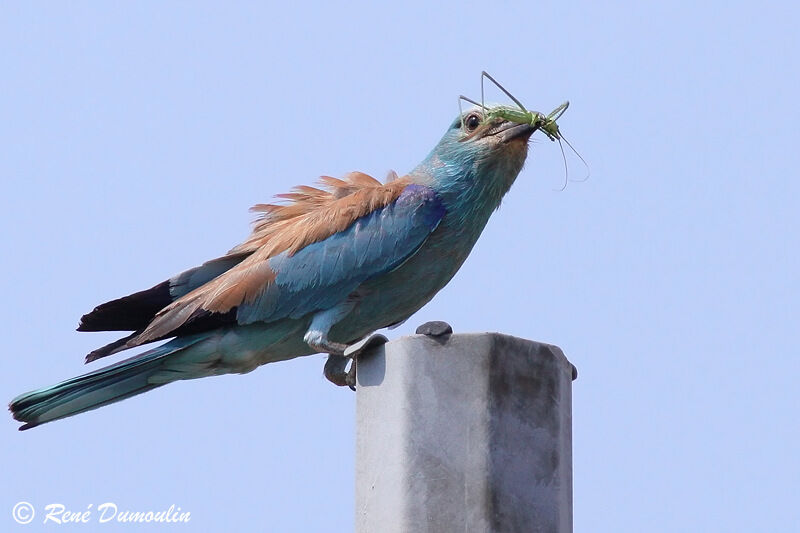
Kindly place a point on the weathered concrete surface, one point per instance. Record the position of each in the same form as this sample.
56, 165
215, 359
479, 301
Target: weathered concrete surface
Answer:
466, 433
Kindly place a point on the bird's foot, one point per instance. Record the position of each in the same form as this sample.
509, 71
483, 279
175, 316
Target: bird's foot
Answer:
435, 328
318, 341
336, 370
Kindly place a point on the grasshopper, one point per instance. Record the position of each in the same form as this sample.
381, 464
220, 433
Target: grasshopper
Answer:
547, 124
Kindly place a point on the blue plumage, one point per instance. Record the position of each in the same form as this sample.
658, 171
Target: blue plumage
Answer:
324, 273
316, 275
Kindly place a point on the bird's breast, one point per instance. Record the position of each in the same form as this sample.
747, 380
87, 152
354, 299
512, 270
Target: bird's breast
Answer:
396, 295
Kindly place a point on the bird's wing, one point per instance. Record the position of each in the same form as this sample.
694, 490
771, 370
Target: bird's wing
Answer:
135, 311
311, 254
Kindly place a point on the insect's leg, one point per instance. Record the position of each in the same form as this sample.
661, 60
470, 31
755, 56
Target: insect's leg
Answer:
487, 75
471, 101
556, 113
483, 99
461, 111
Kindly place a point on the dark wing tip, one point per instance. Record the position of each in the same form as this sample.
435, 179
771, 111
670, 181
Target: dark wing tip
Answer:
110, 348
129, 313
85, 323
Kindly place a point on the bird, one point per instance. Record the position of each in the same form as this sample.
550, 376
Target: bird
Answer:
323, 268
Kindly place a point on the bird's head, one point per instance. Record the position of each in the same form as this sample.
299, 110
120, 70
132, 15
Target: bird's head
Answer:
479, 155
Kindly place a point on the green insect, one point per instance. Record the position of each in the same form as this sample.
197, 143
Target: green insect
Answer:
547, 124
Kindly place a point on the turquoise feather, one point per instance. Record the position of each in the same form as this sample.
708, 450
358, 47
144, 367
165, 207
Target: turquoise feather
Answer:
377, 271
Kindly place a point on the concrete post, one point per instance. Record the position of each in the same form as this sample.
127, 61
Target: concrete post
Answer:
466, 433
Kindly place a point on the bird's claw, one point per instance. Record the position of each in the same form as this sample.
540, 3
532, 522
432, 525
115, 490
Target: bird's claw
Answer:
336, 366
355, 349
335, 369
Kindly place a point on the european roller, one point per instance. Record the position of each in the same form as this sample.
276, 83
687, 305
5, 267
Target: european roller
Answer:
319, 272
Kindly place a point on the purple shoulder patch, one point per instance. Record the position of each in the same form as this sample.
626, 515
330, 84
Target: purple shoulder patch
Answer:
423, 198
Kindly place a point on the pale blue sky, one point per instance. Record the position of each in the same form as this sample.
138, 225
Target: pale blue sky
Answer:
134, 138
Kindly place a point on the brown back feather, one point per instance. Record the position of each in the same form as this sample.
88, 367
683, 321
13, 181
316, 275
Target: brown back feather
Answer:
315, 214
312, 215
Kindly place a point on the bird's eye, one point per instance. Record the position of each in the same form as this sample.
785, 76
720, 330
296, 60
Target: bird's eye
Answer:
472, 122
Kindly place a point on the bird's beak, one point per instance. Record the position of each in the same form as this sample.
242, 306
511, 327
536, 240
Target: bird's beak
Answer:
515, 131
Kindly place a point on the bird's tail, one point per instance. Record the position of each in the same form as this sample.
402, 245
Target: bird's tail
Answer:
95, 389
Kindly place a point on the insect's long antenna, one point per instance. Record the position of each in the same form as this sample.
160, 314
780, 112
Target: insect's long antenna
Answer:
588, 171
566, 168
486, 74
